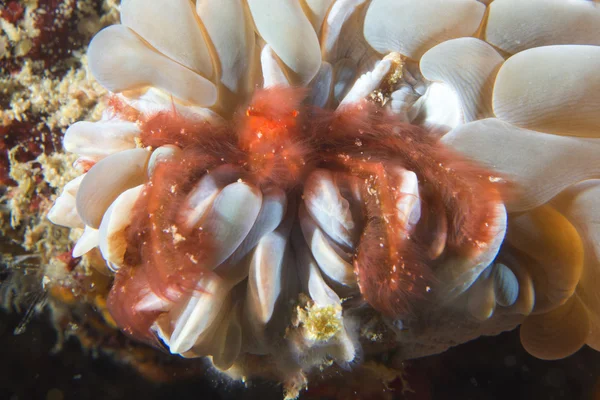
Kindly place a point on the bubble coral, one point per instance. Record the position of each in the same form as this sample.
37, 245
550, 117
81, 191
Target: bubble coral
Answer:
280, 185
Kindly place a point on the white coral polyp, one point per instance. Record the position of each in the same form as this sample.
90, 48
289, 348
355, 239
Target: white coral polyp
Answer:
161, 58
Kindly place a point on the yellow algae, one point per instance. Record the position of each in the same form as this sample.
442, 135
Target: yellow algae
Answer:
19, 37
59, 102
51, 103
56, 101
318, 324
29, 202
90, 26
20, 196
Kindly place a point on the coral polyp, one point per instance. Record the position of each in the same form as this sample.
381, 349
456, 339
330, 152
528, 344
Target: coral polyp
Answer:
291, 185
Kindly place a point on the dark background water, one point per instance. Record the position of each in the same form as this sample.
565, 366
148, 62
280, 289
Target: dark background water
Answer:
488, 368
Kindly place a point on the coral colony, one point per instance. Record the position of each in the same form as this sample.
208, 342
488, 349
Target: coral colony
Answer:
286, 187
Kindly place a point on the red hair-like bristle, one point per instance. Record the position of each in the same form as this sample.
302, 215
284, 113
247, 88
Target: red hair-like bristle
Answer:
116, 106
162, 257
172, 128
390, 267
467, 191
165, 259
279, 103
272, 133
393, 273
129, 287
278, 141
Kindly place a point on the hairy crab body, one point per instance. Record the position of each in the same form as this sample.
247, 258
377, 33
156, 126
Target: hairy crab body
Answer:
280, 203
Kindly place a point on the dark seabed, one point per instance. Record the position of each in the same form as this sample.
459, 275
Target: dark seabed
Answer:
488, 368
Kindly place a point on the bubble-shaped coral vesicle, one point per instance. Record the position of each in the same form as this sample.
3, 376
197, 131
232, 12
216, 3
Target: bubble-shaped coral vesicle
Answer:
272, 177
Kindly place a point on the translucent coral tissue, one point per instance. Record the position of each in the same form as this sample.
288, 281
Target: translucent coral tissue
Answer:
270, 178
